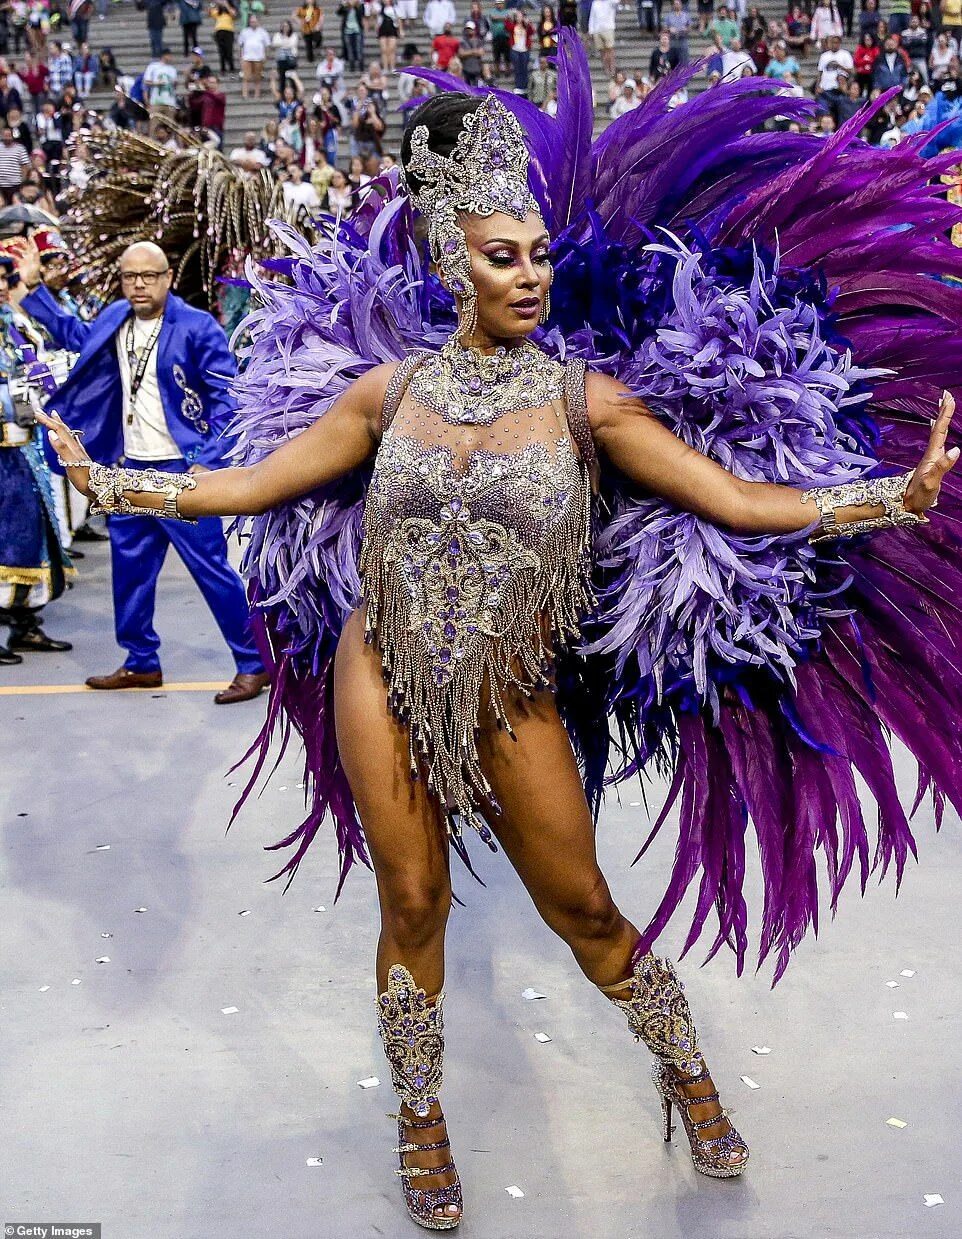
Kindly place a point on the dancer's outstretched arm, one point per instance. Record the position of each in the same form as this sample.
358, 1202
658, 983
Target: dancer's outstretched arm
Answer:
337, 442
651, 455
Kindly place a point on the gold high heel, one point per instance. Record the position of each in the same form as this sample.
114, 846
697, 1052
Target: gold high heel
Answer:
658, 1014
412, 1033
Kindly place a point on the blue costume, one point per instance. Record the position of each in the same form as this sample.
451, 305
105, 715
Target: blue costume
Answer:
33, 563
194, 370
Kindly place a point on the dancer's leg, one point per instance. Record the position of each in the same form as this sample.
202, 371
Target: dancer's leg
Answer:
546, 830
408, 848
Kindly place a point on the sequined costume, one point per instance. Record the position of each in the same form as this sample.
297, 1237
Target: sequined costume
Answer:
769, 297
464, 558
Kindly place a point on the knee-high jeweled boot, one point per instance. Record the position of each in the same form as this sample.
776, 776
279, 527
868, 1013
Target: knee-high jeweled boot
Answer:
412, 1032
658, 1014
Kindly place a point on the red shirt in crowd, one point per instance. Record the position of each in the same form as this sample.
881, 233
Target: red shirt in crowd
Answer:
36, 79
212, 109
864, 58
445, 46
509, 29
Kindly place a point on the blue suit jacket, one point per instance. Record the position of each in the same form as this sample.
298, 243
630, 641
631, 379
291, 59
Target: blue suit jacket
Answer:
194, 370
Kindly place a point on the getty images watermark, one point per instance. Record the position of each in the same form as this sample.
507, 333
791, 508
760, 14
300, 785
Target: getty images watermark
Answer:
51, 1230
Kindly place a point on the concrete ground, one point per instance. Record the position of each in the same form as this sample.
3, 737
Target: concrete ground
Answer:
131, 1099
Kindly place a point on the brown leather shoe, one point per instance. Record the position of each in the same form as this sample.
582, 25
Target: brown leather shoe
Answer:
122, 678
242, 688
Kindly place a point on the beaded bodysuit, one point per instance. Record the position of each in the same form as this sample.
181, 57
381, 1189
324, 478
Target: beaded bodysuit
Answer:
474, 567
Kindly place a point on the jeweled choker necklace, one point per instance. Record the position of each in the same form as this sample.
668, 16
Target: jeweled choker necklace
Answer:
466, 386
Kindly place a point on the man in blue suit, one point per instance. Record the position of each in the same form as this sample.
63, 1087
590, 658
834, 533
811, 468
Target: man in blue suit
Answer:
151, 388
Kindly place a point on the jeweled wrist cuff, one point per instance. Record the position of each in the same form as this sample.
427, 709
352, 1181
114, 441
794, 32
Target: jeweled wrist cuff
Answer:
108, 485
887, 492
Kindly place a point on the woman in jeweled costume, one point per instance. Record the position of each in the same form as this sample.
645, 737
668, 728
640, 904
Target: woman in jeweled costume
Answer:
475, 574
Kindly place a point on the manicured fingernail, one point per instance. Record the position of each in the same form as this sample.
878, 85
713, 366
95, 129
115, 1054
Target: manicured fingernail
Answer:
953, 453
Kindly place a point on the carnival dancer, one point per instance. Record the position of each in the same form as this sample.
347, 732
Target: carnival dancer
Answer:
150, 389
454, 653
33, 562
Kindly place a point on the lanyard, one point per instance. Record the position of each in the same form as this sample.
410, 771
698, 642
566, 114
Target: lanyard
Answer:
138, 363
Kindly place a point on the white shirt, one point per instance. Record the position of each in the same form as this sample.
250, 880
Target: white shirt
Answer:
303, 195
439, 13
146, 436
601, 19
253, 42
242, 153
624, 104
828, 77
732, 64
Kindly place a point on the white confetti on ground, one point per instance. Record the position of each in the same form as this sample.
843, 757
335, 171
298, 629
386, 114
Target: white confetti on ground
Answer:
315, 1161
907, 972
103, 959
44, 988
140, 909
932, 1198
102, 847
75, 981
514, 1191
896, 1123
749, 1081
106, 935
761, 1049
246, 912
542, 1037
229, 1010
529, 994
369, 1082
321, 908
900, 1015
892, 984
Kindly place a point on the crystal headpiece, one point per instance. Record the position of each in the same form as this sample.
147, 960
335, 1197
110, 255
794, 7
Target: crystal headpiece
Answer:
486, 172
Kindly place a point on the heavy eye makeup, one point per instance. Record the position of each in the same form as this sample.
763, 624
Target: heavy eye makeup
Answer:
503, 256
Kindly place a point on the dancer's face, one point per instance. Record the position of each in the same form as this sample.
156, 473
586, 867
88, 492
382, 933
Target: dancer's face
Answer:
511, 270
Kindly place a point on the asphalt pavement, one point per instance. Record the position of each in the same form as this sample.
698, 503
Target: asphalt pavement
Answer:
133, 922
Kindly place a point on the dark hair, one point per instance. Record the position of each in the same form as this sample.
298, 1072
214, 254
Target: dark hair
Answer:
443, 114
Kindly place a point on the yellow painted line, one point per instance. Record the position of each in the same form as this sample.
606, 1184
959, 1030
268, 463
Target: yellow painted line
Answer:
38, 690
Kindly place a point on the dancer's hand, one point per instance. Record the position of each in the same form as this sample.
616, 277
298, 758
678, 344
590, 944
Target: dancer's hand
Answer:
67, 446
923, 490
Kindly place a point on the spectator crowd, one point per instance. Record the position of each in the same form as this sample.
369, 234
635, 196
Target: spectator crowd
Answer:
325, 84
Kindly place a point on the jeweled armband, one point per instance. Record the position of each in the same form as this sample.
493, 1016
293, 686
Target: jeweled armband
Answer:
887, 493
108, 485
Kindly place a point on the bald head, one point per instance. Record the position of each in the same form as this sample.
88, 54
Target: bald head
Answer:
144, 249
145, 278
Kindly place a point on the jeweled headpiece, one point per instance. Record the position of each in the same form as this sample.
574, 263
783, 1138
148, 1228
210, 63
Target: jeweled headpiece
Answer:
486, 172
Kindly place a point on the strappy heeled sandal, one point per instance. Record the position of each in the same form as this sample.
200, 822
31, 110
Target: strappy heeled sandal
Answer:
412, 1032
424, 1202
658, 1014
712, 1157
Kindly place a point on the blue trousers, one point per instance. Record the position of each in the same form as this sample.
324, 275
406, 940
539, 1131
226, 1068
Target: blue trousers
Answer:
138, 547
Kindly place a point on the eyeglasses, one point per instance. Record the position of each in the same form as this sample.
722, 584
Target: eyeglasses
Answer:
149, 278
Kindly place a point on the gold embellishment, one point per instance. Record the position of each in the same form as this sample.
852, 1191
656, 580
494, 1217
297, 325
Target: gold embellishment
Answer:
658, 1013
887, 493
467, 386
412, 1032
15, 575
109, 485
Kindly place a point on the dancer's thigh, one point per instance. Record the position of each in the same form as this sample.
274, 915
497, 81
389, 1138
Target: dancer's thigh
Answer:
403, 827
545, 826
